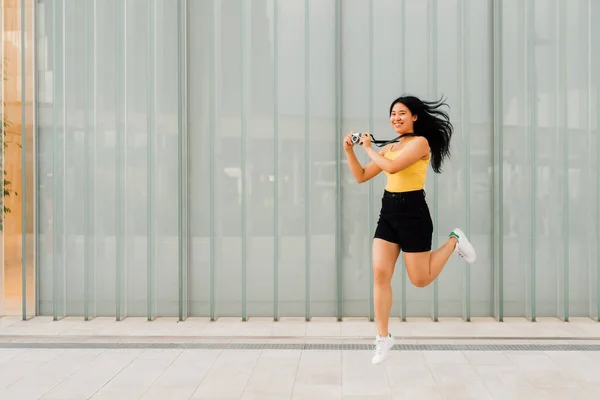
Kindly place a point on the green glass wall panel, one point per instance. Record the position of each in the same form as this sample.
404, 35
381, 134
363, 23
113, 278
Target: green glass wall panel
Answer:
517, 258
582, 164
477, 86
202, 104
189, 163
357, 202
550, 159
107, 156
167, 190
380, 65
322, 143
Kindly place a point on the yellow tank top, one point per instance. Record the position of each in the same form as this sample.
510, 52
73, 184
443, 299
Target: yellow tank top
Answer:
410, 178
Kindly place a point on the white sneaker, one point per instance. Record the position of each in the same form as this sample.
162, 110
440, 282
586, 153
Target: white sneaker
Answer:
382, 348
464, 248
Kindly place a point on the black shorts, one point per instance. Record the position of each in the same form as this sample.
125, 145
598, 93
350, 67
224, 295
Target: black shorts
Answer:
405, 219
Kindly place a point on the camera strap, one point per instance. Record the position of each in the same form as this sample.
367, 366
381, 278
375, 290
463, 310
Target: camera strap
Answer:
381, 143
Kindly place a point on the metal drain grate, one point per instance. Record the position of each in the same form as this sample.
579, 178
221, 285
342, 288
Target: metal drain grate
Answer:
306, 346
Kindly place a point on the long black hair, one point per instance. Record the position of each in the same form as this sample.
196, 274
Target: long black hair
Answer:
433, 124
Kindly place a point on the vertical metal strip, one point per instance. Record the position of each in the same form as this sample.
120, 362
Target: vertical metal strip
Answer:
64, 162
498, 240
244, 134
36, 174
93, 270
466, 127
307, 168
371, 197
531, 124
434, 88
93, 261
55, 188
403, 85
125, 179
567, 233
338, 157
597, 154
214, 101
121, 172
182, 165
56, 242
151, 163
91, 135
23, 167
88, 143
590, 158
590, 39
276, 160
119, 167
561, 129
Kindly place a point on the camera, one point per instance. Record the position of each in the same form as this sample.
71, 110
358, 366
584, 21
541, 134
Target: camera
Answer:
356, 137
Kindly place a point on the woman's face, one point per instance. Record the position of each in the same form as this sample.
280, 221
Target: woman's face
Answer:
402, 119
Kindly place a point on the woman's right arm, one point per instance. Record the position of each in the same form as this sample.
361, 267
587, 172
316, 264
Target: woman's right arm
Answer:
360, 174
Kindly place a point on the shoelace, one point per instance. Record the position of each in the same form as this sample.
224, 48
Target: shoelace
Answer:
459, 251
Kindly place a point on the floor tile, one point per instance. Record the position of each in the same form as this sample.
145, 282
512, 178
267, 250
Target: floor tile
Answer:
165, 366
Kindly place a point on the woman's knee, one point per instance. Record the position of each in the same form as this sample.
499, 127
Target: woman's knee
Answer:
417, 267
419, 281
418, 276
384, 259
382, 274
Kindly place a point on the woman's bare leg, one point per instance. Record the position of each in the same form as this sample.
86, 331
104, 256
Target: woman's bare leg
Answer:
385, 255
423, 268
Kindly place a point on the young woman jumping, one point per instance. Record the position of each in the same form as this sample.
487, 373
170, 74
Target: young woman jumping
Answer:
404, 221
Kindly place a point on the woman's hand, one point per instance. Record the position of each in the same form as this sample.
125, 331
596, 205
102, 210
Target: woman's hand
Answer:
348, 142
365, 140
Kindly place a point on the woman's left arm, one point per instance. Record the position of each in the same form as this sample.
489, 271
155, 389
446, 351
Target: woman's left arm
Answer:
416, 150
